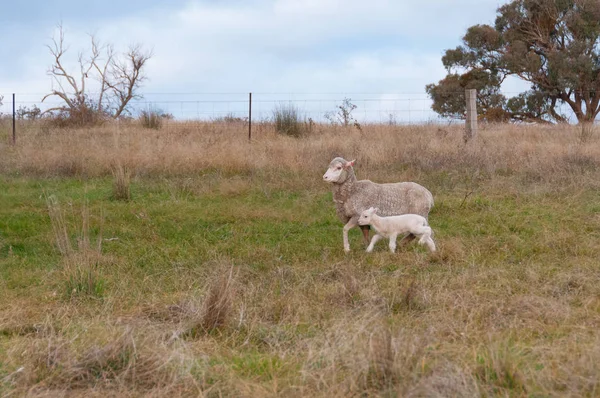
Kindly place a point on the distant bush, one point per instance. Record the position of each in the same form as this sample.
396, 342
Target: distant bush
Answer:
343, 114
29, 113
153, 118
82, 115
288, 121
230, 118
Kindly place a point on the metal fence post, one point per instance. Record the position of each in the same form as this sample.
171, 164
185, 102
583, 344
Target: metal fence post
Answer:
250, 117
471, 122
14, 122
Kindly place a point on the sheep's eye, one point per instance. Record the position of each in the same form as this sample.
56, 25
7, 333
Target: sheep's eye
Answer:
339, 168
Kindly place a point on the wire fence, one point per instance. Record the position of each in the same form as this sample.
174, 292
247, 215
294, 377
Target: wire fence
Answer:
388, 108
362, 108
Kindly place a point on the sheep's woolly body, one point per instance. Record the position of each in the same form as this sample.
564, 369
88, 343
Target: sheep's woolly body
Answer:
352, 197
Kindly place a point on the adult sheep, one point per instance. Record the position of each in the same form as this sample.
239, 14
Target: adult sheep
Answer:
352, 197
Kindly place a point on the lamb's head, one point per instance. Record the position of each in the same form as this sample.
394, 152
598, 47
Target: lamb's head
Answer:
339, 170
367, 216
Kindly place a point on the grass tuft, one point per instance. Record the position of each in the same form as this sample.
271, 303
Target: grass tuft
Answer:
80, 264
217, 306
121, 183
500, 368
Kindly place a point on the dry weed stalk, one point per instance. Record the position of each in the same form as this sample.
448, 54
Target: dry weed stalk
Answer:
122, 182
59, 226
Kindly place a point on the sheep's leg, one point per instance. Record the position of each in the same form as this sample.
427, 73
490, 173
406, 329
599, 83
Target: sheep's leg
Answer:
365, 230
393, 243
349, 225
376, 238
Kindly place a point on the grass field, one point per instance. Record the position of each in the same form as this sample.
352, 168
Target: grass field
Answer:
224, 273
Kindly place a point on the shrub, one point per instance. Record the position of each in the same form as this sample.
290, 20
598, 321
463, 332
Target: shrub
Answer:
153, 118
230, 118
343, 115
287, 120
83, 114
29, 113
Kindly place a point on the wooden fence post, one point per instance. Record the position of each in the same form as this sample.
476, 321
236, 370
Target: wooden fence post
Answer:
471, 123
250, 117
14, 124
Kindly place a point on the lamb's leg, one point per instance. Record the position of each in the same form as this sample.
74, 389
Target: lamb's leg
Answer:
376, 237
349, 225
430, 244
425, 239
393, 243
407, 239
365, 230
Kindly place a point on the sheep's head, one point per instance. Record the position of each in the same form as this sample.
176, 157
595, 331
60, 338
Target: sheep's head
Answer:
338, 170
367, 215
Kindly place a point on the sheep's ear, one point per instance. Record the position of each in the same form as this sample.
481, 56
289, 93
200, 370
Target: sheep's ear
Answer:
350, 163
375, 210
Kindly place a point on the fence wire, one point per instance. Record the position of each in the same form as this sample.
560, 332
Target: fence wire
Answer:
318, 107
383, 108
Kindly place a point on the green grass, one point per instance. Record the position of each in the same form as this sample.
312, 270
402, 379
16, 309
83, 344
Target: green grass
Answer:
509, 306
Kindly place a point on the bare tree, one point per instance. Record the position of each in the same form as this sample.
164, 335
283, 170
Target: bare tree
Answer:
101, 69
119, 78
126, 77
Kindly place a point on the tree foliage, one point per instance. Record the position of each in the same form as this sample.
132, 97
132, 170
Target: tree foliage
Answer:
554, 45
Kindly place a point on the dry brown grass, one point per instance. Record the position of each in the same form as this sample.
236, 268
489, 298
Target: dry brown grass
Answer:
539, 152
124, 364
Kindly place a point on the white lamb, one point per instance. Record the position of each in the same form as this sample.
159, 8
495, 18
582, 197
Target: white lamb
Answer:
392, 226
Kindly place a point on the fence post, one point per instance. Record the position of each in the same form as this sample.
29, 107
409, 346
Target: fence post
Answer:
471, 123
250, 117
14, 124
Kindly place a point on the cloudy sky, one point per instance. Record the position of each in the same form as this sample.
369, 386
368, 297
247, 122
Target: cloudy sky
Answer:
209, 53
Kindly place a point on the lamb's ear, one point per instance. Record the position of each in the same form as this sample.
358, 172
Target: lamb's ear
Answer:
375, 210
350, 163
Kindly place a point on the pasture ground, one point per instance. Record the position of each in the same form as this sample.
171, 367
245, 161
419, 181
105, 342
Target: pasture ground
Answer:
224, 274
